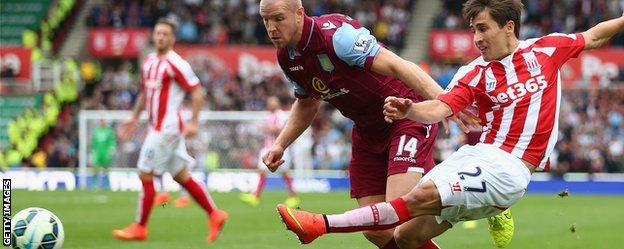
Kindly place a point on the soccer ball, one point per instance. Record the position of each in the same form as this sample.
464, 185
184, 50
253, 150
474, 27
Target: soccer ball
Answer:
36, 228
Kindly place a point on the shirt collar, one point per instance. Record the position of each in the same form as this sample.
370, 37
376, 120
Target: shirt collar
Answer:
306, 34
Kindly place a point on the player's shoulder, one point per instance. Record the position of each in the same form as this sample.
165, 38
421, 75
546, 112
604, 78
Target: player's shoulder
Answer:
475, 65
330, 24
175, 59
550, 40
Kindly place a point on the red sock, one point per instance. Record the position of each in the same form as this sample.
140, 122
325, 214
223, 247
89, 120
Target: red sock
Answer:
429, 245
201, 197
289, 185
260, 187
146, 200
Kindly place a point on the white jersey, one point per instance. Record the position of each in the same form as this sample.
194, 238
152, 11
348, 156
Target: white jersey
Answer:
164, 81
518, 97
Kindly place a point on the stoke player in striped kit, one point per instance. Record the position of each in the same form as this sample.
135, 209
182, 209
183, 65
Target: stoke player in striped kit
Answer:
516, 87
272, 126
166, 77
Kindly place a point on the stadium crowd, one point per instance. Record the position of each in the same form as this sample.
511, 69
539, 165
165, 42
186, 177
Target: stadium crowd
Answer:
238, 22
592, 126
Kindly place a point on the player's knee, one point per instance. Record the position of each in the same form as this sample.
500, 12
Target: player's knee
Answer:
182, 176
404, 239
425, 198
379, 238
145, 176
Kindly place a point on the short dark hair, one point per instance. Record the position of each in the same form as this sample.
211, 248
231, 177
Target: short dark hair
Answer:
167, 21
501, 11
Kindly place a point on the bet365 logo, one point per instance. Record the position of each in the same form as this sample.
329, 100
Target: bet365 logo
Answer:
519, 90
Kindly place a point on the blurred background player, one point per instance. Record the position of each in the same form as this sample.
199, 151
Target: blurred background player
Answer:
103, 145
165, 79
272, 127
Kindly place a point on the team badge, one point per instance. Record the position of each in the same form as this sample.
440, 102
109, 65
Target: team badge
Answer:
325, 62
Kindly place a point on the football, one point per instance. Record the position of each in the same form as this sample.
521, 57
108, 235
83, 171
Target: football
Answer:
36, 228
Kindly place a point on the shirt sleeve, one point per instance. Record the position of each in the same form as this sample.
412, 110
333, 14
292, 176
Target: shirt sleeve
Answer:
561, 47
356, 47
458, 94
183, 74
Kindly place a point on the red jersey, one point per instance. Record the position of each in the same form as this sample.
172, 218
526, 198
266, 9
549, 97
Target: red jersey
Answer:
164, 82
518, 97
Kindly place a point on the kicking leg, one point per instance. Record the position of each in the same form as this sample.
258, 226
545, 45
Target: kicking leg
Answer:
422, 200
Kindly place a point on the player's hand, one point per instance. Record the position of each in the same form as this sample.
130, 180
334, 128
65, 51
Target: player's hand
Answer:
190, 130
126, 129
396, 108
464, 120
273, 158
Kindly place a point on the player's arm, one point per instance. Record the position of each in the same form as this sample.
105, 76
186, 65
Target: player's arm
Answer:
598, 35
139, 105
388, 63
301, 115
197, 100
428, 112
357, 47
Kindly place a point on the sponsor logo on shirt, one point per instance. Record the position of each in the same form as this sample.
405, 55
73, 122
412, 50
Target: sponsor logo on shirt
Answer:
319, 85
342, 91
519, 90
296, 68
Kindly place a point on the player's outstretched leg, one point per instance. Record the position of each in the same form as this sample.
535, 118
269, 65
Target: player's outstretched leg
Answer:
424, 200
501, 228
138, 229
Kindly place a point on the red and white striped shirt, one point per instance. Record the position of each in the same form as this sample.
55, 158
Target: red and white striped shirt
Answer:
277, 119
518, 97
164, 81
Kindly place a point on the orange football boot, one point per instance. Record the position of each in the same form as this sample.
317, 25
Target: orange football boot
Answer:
216, 221
307, 226
134, 231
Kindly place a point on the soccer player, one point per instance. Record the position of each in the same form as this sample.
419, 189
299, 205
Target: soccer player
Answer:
165, 79
272, 126
103, 144
333, 58
516, 87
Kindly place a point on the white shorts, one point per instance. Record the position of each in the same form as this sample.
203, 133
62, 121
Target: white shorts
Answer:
282, 168
162, 153
477, 182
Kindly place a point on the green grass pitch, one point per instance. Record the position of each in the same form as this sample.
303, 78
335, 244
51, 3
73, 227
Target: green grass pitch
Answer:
542, 221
